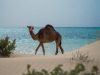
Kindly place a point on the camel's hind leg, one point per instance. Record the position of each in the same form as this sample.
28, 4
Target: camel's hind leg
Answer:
43, 49
37, 48
56, 49
58, 45
61, 49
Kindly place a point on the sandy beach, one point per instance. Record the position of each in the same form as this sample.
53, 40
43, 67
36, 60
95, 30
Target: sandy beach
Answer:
16, 65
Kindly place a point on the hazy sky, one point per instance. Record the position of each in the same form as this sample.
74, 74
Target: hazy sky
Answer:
55, 12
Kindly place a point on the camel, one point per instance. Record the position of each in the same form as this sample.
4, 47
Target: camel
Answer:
46, 35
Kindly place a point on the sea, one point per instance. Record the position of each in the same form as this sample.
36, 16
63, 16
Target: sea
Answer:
72, 38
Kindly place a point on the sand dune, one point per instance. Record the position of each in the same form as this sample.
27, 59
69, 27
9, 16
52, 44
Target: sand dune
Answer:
16, 65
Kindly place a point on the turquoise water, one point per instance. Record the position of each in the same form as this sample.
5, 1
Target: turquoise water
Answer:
72, 38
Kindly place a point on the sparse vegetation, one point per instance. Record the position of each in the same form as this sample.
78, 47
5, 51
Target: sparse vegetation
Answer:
6, 46
94, 71
81, 57
59, 71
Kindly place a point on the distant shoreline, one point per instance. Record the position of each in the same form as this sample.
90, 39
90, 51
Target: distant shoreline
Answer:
54, 26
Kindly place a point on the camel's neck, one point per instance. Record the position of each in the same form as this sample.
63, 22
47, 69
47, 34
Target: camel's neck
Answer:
34, 37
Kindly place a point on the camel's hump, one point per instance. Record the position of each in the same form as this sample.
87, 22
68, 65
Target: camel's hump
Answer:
49, 26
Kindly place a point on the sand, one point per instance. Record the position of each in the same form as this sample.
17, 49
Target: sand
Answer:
16, 65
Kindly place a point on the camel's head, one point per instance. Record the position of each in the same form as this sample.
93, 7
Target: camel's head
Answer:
30, 28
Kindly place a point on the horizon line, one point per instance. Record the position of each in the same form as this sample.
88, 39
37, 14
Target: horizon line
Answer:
53, 26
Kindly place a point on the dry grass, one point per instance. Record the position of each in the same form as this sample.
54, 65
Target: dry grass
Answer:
81, 57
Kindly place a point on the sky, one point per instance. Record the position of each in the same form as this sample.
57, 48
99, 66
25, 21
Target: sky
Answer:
67, 13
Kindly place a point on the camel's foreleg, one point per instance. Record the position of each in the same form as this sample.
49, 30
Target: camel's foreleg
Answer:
43, 49
37, 48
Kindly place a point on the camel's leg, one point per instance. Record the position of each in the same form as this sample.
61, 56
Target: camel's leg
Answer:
43, 49
61, 49
57, 45
56, 50
37, 48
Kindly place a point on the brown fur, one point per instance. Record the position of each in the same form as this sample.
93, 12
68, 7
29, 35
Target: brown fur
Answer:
46, 35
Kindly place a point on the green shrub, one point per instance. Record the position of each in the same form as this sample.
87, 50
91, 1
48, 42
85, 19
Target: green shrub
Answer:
94, 71
6, 46
78, 68
59, 71
56, 71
